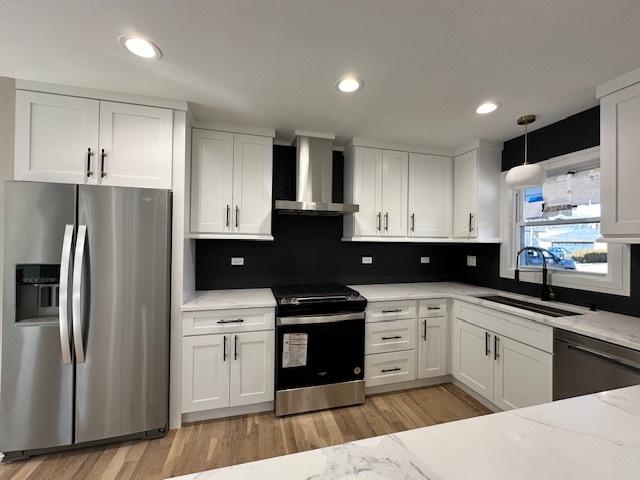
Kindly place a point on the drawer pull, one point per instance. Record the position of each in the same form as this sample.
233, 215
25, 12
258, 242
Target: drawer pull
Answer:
425, 330
394, 310
433, 308
392, 338
396, 369
237, 320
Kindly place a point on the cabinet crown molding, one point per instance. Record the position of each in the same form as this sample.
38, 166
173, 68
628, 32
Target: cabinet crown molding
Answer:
372, 143
479, 144
82, 92
623, 81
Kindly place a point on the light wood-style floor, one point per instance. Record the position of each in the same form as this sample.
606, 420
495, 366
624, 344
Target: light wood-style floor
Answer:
217, 443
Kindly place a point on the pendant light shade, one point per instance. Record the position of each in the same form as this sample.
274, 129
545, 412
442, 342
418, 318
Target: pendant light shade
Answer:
527, 174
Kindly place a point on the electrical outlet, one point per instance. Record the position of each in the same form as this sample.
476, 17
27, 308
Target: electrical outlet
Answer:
471, 260
424, 260
237, 261
367, 260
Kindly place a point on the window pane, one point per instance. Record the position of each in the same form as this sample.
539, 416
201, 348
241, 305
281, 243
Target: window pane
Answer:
570, 247
573, 195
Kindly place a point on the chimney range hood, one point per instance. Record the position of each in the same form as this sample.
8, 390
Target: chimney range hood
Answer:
314, 178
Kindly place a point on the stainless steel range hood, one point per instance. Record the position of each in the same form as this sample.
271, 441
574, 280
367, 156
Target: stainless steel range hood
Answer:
314, 178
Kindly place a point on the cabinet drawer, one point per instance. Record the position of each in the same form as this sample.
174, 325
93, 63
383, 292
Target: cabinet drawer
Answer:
395, 310
432, 308
517, 328
226, 321
390, 336
386, 368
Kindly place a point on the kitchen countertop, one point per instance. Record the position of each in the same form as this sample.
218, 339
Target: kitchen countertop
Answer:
227, 299
590, 437
611, 327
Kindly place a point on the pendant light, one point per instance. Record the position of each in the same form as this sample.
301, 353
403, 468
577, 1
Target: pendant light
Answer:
527, 174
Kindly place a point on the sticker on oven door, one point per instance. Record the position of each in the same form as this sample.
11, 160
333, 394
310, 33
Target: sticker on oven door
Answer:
294, 350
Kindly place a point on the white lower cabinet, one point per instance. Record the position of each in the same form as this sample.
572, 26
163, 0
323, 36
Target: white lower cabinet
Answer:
227, 370
432, 347
387, 368
505, 371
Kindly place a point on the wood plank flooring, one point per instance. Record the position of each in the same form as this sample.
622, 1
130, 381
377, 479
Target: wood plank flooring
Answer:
217, 443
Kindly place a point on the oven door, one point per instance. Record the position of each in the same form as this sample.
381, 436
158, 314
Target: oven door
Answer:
319, 350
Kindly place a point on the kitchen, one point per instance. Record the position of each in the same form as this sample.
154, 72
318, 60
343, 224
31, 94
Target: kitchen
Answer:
386, 269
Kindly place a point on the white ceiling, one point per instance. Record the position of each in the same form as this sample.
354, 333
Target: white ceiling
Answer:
273, 63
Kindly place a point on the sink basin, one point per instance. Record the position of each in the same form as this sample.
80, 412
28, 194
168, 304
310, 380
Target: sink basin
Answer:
529, 306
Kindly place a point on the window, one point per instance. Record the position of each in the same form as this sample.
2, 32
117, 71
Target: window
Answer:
562, 217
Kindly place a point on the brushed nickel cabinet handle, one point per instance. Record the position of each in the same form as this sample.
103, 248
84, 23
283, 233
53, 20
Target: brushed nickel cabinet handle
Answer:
89, 155
103, 154
237, 216
379, 220
413, 222
228, 215
386, 221
487, 348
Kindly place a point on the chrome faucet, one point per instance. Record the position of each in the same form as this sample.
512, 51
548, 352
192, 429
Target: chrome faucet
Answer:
546, 292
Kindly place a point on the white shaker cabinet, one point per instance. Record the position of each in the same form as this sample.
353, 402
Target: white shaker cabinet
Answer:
231, 185
205, 372
135, 146
476, 190
620, 158
472, 363
376, 180
65, 139
432, 347
252, 361
430, 195
56, 138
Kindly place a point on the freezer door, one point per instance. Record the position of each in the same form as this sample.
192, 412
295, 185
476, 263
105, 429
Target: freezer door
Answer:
121, 312
36, 404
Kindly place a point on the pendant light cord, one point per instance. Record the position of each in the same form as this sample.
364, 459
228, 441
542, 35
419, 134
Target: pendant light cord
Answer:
526, 145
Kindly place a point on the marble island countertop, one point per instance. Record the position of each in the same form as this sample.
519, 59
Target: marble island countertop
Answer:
591, 437
611, 327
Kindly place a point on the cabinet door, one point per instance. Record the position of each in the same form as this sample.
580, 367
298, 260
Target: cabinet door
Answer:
367, 191
465, 187
472, 360
56, 138
252, 172
620, 169
137, 143
395, 182
211, 181
430, 197
252, 367
205, 372
522, 374
432, 347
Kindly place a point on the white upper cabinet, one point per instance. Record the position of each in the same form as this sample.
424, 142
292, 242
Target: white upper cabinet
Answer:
619, 160
135, 145
430, 195
476, 192
211, 181
66, 139
231, 185
252, 179
56, 138
376, 180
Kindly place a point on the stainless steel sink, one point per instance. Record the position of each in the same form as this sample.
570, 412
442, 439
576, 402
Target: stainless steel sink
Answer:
529, 306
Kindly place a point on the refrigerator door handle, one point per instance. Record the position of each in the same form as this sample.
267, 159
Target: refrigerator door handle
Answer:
63, 310
78, 268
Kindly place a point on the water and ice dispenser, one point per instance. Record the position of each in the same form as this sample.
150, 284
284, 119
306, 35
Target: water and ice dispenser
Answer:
37, 292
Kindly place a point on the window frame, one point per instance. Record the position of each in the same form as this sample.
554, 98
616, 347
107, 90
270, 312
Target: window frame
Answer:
617, 279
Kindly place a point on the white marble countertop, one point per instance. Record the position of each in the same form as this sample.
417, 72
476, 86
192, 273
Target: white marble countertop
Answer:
592, 437
611, 327
227, 299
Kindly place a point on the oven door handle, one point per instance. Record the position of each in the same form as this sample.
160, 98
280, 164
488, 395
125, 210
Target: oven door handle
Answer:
313, 319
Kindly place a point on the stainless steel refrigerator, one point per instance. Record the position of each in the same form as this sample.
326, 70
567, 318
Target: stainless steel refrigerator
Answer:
85, 329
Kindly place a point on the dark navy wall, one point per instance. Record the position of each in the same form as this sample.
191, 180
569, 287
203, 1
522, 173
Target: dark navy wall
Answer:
308, 249
574, 133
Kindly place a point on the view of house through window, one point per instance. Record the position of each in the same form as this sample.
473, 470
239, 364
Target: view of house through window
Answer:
563, 218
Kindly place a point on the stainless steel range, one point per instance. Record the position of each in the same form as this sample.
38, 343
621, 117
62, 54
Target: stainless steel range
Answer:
319, 347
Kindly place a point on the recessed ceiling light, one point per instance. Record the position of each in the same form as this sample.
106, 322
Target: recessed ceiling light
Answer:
349, 84
487, 107
139, 46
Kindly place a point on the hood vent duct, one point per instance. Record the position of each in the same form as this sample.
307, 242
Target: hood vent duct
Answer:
314, 179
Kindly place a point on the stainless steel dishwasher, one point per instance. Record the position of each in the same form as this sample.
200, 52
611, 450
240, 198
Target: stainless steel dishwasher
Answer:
583, 365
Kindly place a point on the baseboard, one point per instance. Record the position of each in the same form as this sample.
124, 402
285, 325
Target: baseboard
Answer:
227, 412
472, 393
394, 387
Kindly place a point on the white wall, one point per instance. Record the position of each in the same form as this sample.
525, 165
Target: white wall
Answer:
7, 114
